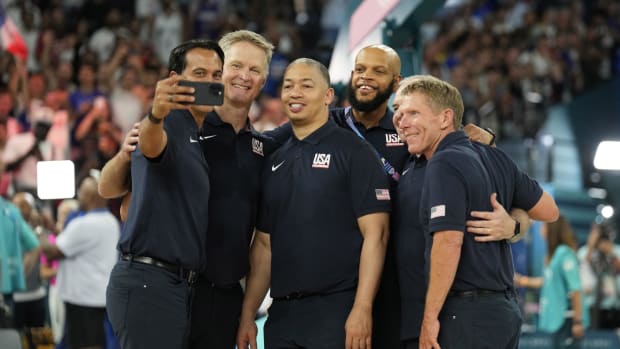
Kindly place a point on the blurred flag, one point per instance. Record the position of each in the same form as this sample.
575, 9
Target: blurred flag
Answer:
11, 38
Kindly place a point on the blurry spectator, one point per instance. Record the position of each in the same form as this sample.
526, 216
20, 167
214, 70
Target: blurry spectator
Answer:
562, 311
103, 40
30, 310
167, 31
23, 151
600, 266
18, 250
49, 269
86, 250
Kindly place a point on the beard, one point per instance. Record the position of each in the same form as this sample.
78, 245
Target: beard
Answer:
380, 98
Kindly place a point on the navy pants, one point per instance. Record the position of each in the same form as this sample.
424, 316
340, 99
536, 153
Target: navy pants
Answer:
486, 321
215, 315
148, 307
311, 323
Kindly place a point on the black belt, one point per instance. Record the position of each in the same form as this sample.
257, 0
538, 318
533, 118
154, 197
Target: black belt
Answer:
301, 295
476, 293
190, 276
298, 295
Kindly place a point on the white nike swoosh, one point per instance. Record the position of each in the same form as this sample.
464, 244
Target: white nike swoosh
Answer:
191, 140
207, 137
274, 168
405, 171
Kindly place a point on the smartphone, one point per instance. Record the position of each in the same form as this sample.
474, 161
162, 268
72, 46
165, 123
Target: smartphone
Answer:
206, 93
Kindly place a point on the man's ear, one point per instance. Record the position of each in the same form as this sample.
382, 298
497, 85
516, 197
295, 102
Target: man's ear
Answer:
329, 96
447, 119
172, 73
397, 79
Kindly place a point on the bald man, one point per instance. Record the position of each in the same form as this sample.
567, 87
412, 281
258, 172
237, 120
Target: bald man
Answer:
374, 77
86, 249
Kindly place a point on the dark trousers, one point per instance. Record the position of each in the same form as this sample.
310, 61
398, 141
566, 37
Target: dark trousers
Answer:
215, 315
315, 322
410, 343
477, 322
84, 327
148, 306
386, 308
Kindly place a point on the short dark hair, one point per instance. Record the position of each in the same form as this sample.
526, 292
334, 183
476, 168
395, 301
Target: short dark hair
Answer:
313, 63
177, 61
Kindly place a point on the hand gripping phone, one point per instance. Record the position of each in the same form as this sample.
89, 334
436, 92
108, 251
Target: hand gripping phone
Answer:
206, 93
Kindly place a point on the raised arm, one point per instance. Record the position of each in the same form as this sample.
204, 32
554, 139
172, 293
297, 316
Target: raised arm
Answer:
114, 181
498, 224
258, 280
375, 230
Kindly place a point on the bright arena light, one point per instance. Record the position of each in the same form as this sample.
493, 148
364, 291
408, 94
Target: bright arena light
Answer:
607, 212
606, 157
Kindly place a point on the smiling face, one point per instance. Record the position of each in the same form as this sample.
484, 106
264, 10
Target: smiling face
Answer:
245, 72
306, 94
419, 125
376, 73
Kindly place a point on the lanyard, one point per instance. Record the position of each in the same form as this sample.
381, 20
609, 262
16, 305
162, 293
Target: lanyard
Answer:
386, 165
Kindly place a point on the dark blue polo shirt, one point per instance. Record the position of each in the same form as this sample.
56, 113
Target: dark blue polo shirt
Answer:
410, 245
314, 190
456, 183
382, 137
167, 217
235, 163
514, 189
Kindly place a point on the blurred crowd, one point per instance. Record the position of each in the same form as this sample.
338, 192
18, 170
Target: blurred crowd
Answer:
92, 65
511, 59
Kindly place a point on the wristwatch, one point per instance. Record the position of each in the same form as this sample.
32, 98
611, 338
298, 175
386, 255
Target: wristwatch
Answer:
153, 119
517, 228
490, 130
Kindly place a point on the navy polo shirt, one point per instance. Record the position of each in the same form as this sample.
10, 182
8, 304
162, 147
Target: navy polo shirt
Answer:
456, 183
382, 137
314, 190
235, 163
167, 218
410, 245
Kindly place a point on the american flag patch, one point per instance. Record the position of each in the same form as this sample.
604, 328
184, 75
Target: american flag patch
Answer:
438, 211
382, 194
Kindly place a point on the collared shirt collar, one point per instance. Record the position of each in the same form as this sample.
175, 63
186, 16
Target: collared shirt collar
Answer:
320, 133
456, 137
214, 119
384, 123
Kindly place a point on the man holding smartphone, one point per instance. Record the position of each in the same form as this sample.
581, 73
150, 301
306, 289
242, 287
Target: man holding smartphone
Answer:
162, 243
234, 153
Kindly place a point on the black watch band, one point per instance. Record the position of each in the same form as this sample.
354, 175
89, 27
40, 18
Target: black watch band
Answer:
517, 228
154, 119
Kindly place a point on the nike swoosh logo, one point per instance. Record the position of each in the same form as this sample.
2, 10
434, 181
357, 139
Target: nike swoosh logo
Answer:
274, 168
207, 137
405, 171
191, 140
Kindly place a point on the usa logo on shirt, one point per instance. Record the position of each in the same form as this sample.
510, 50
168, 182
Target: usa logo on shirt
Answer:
321, 160
392, 140
257, 147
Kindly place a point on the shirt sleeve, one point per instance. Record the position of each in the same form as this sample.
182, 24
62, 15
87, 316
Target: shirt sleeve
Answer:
527, 190
369, 183
570, 268
27, 237
74, 239
446, 192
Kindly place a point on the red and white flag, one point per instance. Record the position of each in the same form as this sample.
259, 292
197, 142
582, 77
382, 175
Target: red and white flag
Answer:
12, 39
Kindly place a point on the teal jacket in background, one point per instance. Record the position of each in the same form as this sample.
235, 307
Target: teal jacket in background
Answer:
561, 277
16, 238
